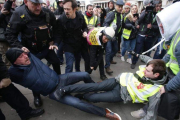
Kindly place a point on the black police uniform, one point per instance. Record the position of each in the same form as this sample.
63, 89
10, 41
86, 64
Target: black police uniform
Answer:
36, 33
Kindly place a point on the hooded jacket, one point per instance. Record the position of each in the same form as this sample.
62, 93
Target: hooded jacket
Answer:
37, 76
171, 24
108, 9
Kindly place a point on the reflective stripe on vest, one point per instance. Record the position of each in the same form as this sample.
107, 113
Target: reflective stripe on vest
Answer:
115, 21
92, 21
173, 64
126, 33
138, 91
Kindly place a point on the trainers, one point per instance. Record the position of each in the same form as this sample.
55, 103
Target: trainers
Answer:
59, 93
133, 66
103, 77
113, 62
129, 61
112, 116
108, 70
122, 58
138, 114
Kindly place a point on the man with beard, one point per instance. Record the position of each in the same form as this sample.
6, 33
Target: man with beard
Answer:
71, 28
110, 6
36, 25
91, 20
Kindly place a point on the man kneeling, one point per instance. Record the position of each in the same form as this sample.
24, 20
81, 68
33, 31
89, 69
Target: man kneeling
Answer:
140, 87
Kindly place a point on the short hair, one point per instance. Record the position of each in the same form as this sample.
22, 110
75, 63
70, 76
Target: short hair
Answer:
159, 66
74, 3
88, 6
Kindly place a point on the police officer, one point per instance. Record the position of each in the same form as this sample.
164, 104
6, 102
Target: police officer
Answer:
36, 26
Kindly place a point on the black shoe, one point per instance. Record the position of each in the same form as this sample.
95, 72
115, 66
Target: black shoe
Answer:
59, 93
37, 101
34, 113
133, 66
1, 99
103, 77
80, 96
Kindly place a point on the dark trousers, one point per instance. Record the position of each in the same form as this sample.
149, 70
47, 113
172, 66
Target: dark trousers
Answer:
16, 100
142, 44
72, 78
110, 87
101, 67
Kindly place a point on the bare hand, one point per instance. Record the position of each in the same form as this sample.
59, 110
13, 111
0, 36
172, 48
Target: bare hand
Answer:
137, 26
84, 34
52, 47
4, 11
5, 83
134, 19
149, 26
162, 90
24, 49
92, 68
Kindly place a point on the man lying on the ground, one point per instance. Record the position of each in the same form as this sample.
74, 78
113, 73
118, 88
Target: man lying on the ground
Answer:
140, 87
30, 72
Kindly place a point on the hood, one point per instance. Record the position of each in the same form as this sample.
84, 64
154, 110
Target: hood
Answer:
170, 20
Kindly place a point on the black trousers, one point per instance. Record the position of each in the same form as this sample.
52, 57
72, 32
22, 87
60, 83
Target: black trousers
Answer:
16, 100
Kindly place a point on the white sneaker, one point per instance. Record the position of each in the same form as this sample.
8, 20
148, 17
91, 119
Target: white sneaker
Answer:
138, 114
122, 58
129, 60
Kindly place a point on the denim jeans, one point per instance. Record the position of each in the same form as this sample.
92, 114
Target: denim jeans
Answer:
69, 79
110, 87
70, 58
128, 45
60, 53
158, 55
142, 44
111, 50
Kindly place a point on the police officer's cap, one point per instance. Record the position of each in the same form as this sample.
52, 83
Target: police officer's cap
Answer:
37, 1
119, 2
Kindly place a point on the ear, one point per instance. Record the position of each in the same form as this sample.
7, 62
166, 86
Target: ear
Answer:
156, 75
25, 2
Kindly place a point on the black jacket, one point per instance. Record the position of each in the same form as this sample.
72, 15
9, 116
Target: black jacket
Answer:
109, 19
143, 30
59, 11
3, 69
23, 21
96, 54
130, 25
70, 32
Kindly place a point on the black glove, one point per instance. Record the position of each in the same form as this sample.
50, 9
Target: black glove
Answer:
133, 53
89, 71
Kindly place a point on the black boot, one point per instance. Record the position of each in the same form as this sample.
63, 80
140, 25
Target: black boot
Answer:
34, 113
37, 100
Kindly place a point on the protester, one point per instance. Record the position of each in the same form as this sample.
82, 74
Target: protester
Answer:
112, 21
129, 33
127, 8
110, 6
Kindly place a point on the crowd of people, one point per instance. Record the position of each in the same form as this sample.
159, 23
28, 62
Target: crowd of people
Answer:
62, 34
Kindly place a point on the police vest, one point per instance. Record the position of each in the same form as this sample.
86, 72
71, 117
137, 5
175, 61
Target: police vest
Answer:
92, 21
173, 64
37, 34
126, 33
115, 21
138, 91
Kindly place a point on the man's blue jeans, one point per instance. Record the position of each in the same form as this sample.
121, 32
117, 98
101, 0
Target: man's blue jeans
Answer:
70, 58
110, 87
111, 50
72, 78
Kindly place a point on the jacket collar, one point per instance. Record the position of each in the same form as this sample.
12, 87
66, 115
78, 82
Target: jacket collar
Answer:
65, 19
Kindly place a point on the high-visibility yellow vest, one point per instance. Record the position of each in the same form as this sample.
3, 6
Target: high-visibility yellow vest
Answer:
126, 33
115, 21
92, 21
138, 91
173, 64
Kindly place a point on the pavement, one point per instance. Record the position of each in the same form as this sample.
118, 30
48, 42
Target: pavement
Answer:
58, 111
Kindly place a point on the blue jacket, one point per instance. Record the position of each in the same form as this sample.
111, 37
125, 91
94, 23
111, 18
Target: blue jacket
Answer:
36, 76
